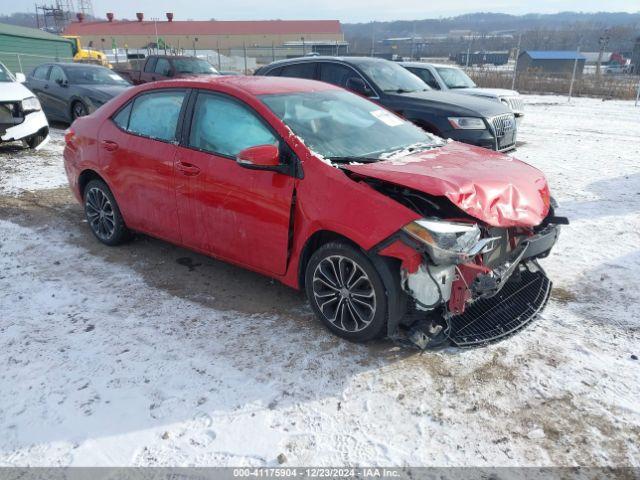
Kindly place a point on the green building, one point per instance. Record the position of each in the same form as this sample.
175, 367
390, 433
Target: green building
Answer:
21, 48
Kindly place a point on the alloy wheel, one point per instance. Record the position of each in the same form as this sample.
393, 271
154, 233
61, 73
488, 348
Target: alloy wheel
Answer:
344, 293
79, 110
100, 213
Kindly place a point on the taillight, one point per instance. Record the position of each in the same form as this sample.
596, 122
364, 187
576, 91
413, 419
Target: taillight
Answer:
69, 137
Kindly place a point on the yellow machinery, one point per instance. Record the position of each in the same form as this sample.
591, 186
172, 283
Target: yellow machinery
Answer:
82, 55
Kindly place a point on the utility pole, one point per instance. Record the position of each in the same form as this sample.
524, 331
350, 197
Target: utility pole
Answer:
603, 41
515, 67
573, 75
373, 39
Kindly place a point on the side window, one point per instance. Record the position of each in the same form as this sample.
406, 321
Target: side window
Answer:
224, 126
426, 76
41, 73
122, 117
300, 70
155, 115
336, 74
163, 67
150, 65
276, 72
56, 74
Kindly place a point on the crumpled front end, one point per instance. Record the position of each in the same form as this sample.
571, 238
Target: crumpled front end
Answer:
469, 284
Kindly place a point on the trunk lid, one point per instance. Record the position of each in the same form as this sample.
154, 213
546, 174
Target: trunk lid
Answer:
494, 188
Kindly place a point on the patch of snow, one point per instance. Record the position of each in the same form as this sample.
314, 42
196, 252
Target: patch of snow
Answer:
100, 368
22, 169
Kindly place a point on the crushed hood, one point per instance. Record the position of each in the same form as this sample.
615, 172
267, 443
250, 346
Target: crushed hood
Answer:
494, 188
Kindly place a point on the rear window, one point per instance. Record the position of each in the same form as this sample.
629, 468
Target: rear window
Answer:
300, 70
155, 115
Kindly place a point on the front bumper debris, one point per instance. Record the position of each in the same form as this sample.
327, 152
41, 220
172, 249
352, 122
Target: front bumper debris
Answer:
514, 307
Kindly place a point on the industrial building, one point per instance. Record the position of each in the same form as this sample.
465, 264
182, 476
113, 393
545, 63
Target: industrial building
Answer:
21, 48
552, 62
322, 36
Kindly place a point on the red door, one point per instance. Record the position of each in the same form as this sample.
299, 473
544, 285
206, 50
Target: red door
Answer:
224, 209
137, 154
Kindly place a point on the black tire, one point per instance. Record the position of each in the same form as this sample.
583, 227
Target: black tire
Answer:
78, 109
341, 305
103, 214
34, 140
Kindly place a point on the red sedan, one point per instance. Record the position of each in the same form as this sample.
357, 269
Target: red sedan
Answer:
389, 229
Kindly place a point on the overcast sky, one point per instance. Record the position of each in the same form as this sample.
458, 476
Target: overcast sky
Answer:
343, 10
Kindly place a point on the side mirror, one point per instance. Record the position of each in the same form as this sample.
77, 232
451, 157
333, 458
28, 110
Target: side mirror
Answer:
261, 157
358, 85
20, 78
170, 73
62, 82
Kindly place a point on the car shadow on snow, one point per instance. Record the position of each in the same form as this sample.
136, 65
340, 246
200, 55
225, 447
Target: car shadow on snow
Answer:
617, 196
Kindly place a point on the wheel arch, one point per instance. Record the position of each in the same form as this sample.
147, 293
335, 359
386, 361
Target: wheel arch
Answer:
313, 243
85, 177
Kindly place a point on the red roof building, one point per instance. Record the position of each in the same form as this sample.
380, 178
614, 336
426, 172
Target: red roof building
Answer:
204, 35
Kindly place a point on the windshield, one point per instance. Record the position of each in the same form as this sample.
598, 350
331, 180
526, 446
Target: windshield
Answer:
5, 76
338, 125
94, 76
391, 77
193, 65
455, 78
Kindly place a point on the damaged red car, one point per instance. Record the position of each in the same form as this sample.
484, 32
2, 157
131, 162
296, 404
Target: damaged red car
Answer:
389, 229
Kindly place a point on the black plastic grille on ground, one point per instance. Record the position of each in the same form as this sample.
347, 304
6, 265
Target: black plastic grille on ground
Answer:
491, 319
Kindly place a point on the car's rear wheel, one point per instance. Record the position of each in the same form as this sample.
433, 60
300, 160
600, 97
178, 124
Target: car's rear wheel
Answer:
103, 214
78, 109
346, 292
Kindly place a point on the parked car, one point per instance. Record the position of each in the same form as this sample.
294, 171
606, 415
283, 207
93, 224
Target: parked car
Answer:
452, 78
385, 226
70, 90
448, 115
21, 116
163, 67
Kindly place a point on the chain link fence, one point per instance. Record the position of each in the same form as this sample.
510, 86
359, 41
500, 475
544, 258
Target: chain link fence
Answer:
624, 87
25, 63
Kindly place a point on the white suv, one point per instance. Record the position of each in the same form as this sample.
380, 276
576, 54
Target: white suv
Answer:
21, 116
450, 77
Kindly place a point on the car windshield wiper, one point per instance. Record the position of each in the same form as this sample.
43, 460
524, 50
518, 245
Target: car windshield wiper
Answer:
353, 159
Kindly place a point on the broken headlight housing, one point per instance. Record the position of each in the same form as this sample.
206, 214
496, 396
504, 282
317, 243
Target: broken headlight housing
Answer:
30, 104
449, 242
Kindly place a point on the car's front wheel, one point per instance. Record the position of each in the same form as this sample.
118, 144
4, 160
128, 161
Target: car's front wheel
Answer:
103, 214
346, 292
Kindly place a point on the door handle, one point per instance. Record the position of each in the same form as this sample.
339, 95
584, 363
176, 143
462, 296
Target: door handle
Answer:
46, 87
188, 169
109, 146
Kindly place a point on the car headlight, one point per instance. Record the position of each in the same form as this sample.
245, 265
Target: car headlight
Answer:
449, 242
31, 104
467, 123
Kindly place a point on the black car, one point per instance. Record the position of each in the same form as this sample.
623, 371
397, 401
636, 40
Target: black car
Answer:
460, 117
71, 90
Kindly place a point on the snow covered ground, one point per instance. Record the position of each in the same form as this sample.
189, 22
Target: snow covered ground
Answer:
148, 354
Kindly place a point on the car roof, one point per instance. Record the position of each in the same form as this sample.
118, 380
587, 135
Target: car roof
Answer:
353, 60
72, 65
252, 85
425, 64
